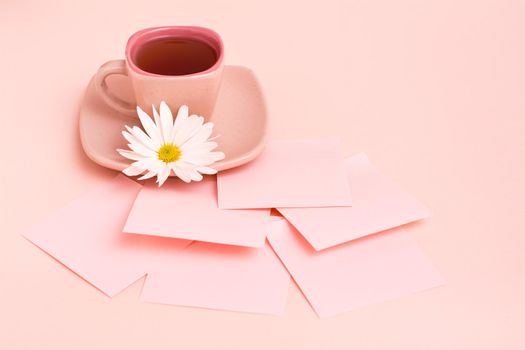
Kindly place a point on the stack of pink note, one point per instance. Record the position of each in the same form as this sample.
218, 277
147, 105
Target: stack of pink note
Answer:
213, 244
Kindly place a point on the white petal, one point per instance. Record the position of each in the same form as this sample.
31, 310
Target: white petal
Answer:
130, 154
130, 137
142, 150
133, 171
182, 165
195, 175
206, 170
148, 175
156, 118
187, 129
156, 167
203, 159
200, 136
149, 125
163, 174
137, 137
151, 164
182, 115
188, 172
204, 147
218, 155
166, 120
150, 143
182, 174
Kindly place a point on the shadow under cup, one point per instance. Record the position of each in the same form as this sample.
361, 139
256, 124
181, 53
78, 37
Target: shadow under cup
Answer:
175, 52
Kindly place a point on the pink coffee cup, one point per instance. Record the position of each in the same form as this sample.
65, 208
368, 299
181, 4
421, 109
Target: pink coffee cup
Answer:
197, 89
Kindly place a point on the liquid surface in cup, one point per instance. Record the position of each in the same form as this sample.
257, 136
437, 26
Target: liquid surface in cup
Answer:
175, 56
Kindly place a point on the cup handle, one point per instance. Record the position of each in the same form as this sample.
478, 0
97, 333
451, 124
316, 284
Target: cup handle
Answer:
107, 69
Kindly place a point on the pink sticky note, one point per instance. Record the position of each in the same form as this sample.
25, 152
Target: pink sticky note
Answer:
189, 211
220, 277
289, 173
378, 204
366, 271
87, 237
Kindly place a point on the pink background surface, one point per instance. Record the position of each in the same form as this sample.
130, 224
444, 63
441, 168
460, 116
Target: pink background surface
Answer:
433, 91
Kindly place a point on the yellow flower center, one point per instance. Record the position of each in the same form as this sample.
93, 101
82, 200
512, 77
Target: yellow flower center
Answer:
169, 153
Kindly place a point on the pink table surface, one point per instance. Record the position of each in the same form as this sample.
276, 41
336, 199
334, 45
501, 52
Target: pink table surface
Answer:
433, 91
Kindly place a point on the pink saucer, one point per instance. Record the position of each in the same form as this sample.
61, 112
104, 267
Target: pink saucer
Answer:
240, 119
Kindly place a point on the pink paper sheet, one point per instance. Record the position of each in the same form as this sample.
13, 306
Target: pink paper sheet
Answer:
220, 277
86, 236
289, 173
366, 271
190, 211
378, 204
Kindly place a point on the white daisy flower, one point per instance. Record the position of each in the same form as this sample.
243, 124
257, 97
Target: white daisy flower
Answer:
182, 146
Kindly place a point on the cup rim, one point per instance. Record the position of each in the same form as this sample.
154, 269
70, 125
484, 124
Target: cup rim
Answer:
207, 35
